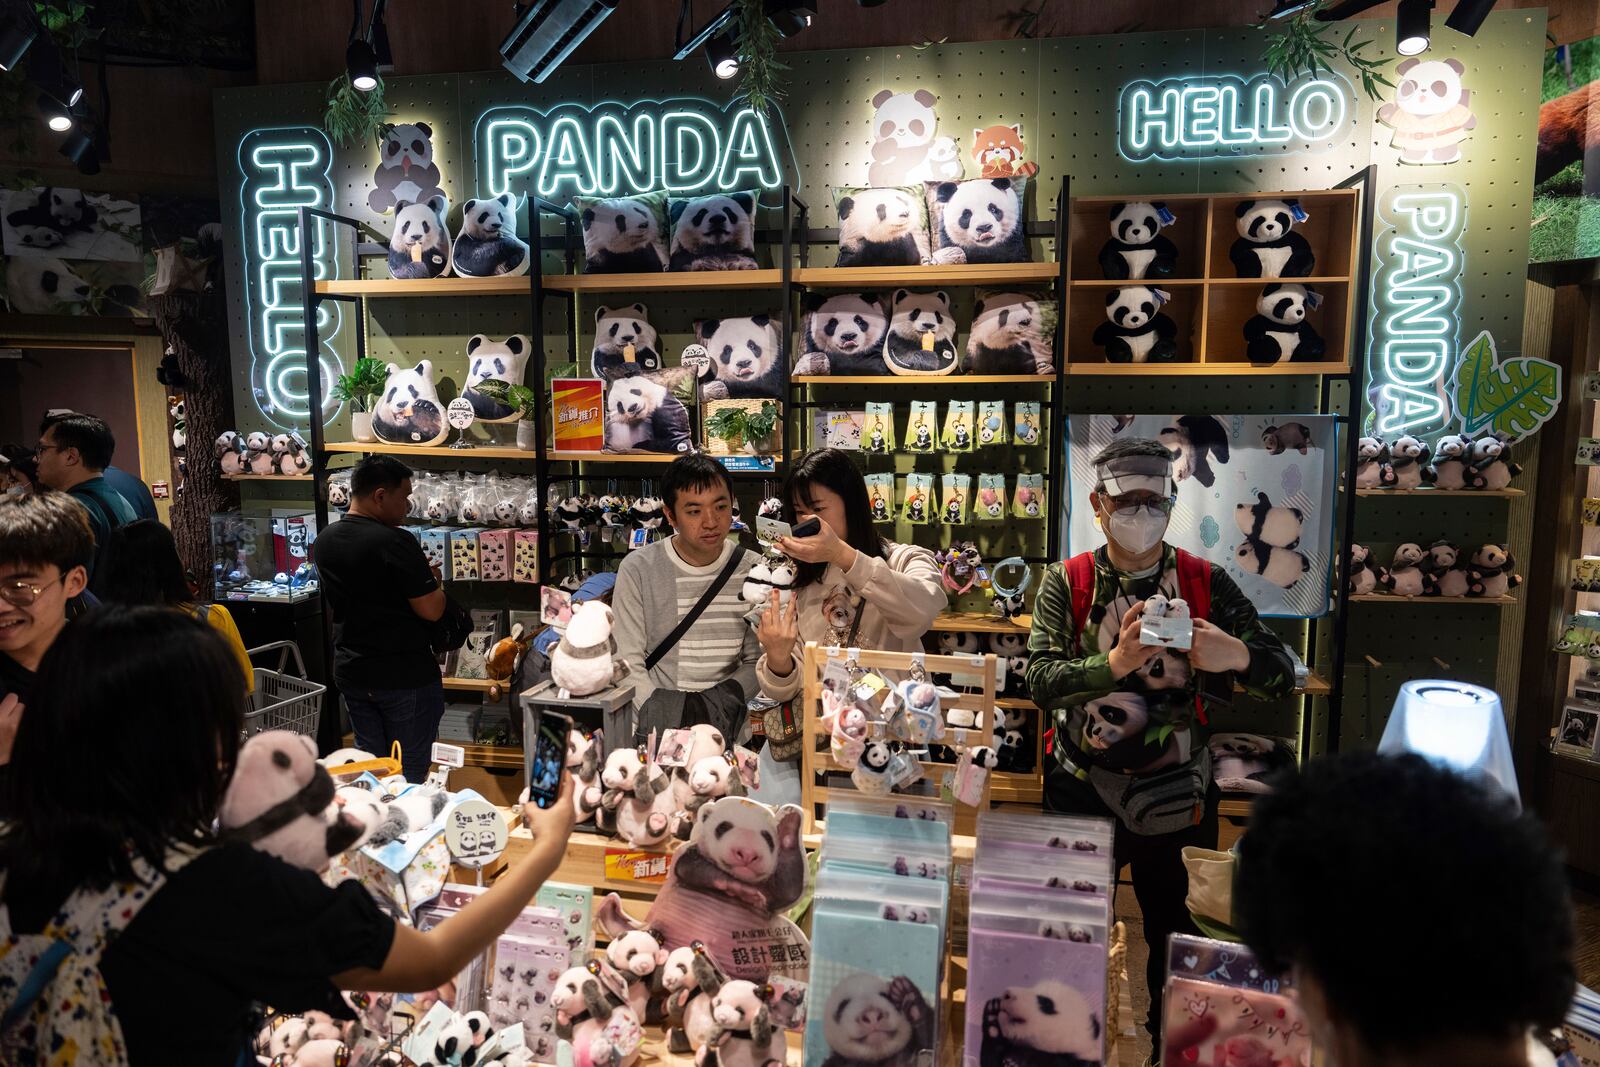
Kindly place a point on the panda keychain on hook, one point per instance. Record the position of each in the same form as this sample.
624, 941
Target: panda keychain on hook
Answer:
1007, 599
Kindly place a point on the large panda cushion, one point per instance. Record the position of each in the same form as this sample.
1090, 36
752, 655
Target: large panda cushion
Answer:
746, 357
488, 245
979, 221
842, 333
623, 234
409, 412
615, 331
716, 232
419, 245
922, 334
500, 361
882, 227
1012, 333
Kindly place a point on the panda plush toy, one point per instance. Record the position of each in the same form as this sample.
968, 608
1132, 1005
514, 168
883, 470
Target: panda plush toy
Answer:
614, 330
500, 360
745, 354
882, 227
488, 245
1408, 458
642, 415
1136, 248
409, 412
1135, 330
1267, 246
420, 244
979, 221
1283, 567
922, 334
624, 235
843, 334
713, 232
1007, 336
1279, 331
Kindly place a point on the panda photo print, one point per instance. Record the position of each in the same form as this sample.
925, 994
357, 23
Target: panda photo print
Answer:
69, 224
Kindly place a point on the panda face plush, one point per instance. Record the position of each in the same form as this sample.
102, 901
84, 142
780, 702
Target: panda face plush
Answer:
419, 231
488, 245
624, 234
1287, 303
744, 356
409, 412
1138, 222
1134, 307
614, 330
882, 227
499, 360
1262, 221
1267, 247
980, 221
915, 318
843, 335
713, 232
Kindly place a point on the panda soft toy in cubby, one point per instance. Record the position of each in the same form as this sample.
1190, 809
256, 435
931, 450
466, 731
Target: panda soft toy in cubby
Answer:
488, 244
922, 334
1267, 246
1407, 458
1135, 330
882, 227
500, 361
1363, 571
419, 247
979, 221
842, 334
614, 330
1136, 248
1279, 330
409, 412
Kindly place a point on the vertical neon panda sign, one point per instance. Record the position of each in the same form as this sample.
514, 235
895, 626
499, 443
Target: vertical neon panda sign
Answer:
284, 170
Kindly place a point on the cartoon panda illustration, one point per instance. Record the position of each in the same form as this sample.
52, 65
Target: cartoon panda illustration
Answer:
488, 244
614, 330
882, 228
1007, 337
1278, 330
500, 360
1429, 113
876, 1022
843, 334
713, 232
409, 412
643, 416
745, 354
406, 171
622, 236
1136, 248
1279, 527
915, 319
419, 247
1135, 330
1049, 1024
1279, 439
981, 221
905, 148
1267, 246
1280, 566
1195, 440
43, 285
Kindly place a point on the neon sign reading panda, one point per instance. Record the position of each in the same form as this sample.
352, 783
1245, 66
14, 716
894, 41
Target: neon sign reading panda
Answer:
613, 149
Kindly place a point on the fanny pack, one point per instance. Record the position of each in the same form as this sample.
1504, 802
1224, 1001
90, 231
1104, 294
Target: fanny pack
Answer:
1161, 803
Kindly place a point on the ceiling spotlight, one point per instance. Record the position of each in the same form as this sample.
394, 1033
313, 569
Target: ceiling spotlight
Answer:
1412, 27
57, 117
49, 72
79, 147
723, 54
362, 63
1469, 15
789, 17
17, 31
546, 33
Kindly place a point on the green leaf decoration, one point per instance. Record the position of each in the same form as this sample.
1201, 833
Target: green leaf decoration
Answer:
1512, 398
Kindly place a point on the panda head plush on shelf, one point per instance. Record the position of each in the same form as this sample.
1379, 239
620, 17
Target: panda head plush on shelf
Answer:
885, 227
843, 334
922, 332
745, 357
1279, 331
1267, 245
615, 330
498, 360
715, 232
409, 412
1135, 330
419, 247
1136, 248
980, 221
488, 244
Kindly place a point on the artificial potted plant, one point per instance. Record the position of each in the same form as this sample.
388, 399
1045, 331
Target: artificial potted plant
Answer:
359, 388
520, 397
743, 425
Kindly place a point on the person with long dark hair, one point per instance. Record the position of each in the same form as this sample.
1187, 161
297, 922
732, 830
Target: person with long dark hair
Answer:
854, 587
143, 568
118, 772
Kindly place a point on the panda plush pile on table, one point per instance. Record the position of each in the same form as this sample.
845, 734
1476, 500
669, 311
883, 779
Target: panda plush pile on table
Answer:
488, 244
916, 321
1267, 246
625, 234
713, 232
614, 330
1278, 331
642, 415
1136, 248
500, 360
409, 412
745, 355
1135, 330
1008, 336
882, 227
420, 231
842, 334
979, 221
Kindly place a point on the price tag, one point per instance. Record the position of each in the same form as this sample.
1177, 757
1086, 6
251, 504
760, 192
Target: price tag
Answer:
638, 539
475, 833
459, 413
448, 755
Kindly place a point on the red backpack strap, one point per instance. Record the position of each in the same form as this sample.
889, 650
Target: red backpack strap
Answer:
1194, 585
1080, 580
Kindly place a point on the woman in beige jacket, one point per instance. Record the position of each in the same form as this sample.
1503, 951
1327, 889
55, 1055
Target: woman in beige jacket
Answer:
853, 588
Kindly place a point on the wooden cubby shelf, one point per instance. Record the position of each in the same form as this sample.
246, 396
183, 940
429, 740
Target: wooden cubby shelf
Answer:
609, 457
708, 280
1203, 370
1390, 598
1507, 492
978, 622
985, 274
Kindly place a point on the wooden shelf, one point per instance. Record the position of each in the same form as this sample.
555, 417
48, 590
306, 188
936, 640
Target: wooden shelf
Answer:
437, 451
1011, 788
1316, 686
1203, 370
917, 379
609, 457
494, 757
267, 477
1390, 598
979, 622
1507, 492
472, 685
1318, 279
935, 274
501, 285
1234, 807
709, 280
1118, 283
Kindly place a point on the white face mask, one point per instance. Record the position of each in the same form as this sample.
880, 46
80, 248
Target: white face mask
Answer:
17, 490
1138, 529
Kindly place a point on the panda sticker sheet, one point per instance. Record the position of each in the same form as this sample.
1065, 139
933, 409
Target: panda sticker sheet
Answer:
1255, 497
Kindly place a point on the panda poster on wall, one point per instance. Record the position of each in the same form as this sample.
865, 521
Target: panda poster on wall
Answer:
70, 224
1255, 496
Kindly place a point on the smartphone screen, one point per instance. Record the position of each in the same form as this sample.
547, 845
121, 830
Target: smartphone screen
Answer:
549, 756
809, 528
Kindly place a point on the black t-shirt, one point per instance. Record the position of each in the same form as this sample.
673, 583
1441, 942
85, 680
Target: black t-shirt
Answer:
232, 928
370, 572
15, 678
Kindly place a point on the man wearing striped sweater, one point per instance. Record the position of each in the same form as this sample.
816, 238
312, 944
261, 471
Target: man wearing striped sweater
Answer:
708, 675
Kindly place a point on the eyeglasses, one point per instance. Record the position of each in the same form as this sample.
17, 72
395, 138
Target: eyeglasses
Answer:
22, 594
1141, 500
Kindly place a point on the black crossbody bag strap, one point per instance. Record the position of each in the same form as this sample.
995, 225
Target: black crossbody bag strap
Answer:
671, 640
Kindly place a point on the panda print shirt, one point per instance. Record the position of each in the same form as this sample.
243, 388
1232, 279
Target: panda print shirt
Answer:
1142, 723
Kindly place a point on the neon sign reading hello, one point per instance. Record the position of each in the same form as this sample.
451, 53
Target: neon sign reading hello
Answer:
615, 149
285, 170
1198, 118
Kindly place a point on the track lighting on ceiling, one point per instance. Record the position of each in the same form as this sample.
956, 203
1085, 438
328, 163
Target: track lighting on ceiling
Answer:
48, 70
1413, 27
546, 33
1413, 22
789, 17
368, 50
17, 31
362, 63
1468, 16
870, 3
55, 114
79, 147
722, 53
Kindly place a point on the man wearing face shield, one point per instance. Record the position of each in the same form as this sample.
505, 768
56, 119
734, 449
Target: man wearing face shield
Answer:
1129, 717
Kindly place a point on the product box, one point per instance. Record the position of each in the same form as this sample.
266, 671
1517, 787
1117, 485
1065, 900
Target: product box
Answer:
575, 904
464, 565
525, 557
844, 430
494, 555
436, 547
1588, 452
1579, 730
577, 407
1591, 511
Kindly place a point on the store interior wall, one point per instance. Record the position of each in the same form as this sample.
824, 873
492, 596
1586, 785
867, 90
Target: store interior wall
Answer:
88, 379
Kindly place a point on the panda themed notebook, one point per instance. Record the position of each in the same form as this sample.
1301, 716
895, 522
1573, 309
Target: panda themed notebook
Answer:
1032, 1000
874, 990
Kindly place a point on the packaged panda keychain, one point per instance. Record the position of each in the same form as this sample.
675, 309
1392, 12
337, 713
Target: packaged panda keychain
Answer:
953, 499
880, 496
921, 427
991, 423
916, 716
919, 494
1029, 500
1025, 427
877, 429
990, 503
958, 431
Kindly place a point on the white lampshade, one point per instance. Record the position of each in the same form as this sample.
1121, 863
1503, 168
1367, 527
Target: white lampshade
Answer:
1457, 725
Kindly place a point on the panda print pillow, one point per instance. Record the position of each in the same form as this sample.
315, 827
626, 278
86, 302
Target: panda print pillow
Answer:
488, 245
882, 227
716, 232
1012, 333
979, 221
842, 333
419, 246
745, 355
623, 234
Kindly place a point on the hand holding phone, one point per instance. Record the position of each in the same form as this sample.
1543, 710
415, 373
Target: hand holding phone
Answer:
809, 528
549, 758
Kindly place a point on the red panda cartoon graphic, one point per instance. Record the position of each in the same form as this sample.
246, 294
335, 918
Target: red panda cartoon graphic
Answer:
999, 151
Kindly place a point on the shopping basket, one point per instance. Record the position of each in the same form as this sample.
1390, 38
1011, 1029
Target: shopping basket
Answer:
283, 701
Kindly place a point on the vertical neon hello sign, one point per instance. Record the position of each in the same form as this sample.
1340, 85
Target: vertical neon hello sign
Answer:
613, 149
1416, 298
1224, 115
284, 170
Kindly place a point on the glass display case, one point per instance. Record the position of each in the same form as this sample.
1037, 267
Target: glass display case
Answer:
263, 556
